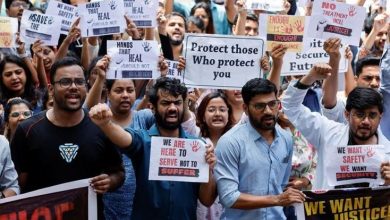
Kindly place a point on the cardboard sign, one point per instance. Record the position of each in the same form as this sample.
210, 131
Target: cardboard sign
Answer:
68, 201
178, 159
301, 63
267, 5
36, 26
285, 29
173, 72
336, 19
68, 14
8, 30
133, 59
362, 204
354, 164
102, 18
220, 61
143, 13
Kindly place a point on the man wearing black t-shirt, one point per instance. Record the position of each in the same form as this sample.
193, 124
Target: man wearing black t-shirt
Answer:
62, 144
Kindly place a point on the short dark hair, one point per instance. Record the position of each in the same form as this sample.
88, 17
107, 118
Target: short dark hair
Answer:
363, 98
172, 86
366, 61
257, 86
204, 131
249, 16
9, 2
66, 61
177, 14
197, 22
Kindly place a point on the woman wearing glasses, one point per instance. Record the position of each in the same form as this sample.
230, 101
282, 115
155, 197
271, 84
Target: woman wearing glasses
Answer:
214, 118
15, 111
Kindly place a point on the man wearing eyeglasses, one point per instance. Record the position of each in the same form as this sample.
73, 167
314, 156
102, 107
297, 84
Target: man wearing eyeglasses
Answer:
14, 8
363, 113
62, 144
254, 159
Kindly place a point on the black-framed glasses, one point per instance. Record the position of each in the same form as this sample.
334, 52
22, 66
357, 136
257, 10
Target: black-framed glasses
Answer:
274, 104
362, 115
67, 82
26, 114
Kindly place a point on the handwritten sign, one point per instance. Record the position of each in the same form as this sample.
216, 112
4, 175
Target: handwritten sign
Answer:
8, 29
178, 159
173, 72
357, 203
267, 5
102, 18
336, 19
219, 61
354, 164
133, 59
285, 29
40, 26
301, 63
68, 14
143, 13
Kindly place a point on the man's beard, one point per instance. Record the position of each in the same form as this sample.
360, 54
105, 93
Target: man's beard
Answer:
168, 125
261, 124
175, 42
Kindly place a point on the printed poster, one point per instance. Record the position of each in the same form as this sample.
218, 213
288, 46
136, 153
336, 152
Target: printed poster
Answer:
354, 164
102, 18
266, 5
133, 59
173, 72
221, 61
68, 201
143, 13
36, 26
178, 159
348, 204
286, 29
68, 14
336, 19
300, 63
8, 30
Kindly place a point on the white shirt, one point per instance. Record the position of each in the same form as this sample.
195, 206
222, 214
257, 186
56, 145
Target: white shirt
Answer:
318, 130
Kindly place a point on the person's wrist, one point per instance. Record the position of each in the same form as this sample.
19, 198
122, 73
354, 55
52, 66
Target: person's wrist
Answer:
23, 55
2, 196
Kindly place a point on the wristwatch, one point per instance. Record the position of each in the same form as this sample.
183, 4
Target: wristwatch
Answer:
300, 85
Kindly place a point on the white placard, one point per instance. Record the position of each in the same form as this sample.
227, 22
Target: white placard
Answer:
354, 164
102, 18
336, 19
143, 13
67, 12
36, 26
301, 63
133, 59
173, 72
267, 5
178, 159
221, 61
8, 29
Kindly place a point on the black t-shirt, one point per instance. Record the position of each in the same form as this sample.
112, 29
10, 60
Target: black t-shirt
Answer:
53, 155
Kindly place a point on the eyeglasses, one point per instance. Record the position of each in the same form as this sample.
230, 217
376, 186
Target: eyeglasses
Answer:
274, 104
20, 3
213, 110
67, 82
363, 115
26, 114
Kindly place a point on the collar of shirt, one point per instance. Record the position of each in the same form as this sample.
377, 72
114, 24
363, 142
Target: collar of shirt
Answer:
255, 135
153, 131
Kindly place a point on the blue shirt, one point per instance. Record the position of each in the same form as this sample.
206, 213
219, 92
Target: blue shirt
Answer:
158, 199
385, 91
247, 164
